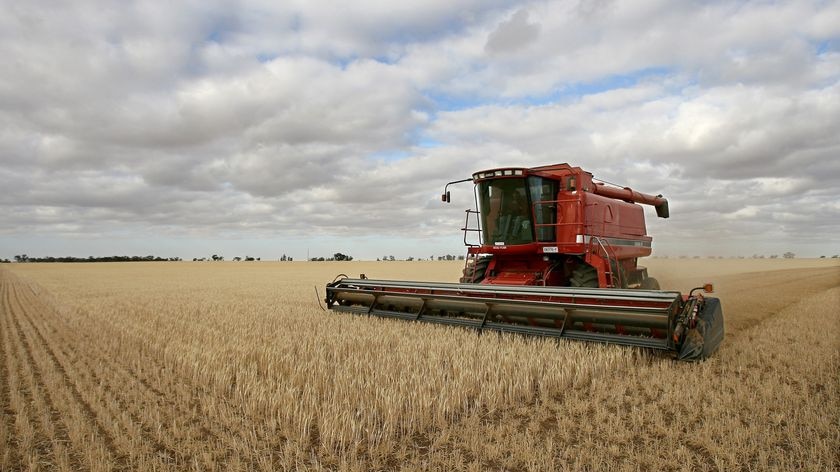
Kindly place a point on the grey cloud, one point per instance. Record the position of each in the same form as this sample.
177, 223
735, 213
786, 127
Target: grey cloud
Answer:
513, 34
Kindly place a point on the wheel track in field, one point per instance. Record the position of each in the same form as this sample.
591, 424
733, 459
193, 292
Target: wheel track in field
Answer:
220, 436
190, 409
93, 420
86, 370
9, 459
188, 412
32, 389
26, 351
174, 397
154, 399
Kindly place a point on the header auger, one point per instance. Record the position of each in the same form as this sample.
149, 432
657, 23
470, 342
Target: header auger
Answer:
552, 252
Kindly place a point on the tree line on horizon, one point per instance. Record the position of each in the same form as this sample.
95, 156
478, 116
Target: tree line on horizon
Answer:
26, 258
336, 257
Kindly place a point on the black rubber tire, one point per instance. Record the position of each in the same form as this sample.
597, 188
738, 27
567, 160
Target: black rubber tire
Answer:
480, 270
702, 341
584, 275
649, 283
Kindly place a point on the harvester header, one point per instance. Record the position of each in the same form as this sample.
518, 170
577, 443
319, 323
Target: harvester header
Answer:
553, 252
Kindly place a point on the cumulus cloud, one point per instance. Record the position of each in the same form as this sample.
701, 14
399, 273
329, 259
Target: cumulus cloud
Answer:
259, 119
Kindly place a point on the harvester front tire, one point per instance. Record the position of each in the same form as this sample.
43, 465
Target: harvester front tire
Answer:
650, 283
584, 275
702, 341
475, 274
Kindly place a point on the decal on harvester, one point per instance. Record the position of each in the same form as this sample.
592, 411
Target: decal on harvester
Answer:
615, 241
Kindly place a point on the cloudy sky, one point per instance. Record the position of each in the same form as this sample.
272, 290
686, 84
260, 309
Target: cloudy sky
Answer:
188, 128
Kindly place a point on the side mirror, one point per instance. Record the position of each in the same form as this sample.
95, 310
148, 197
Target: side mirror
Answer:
445, 197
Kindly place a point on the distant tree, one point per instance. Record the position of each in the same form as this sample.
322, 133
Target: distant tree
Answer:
341, 257
237, 259
391, 258
66, 259
410, 259
788, 255
774, 256
822, 257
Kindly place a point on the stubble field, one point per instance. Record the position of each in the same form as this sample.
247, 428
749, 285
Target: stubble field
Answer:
233, 366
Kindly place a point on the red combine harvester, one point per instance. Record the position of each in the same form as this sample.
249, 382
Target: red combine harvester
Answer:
552, 252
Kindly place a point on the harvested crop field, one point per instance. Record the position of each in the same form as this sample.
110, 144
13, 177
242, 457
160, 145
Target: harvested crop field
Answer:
233, 366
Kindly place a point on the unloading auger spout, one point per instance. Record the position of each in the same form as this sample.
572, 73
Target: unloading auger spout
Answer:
551, 251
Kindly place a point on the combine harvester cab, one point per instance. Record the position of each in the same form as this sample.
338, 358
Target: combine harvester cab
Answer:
553, 253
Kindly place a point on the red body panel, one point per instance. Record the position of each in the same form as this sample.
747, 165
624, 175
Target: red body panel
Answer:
596, 224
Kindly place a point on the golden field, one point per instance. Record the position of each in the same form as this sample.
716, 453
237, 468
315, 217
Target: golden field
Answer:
233, 366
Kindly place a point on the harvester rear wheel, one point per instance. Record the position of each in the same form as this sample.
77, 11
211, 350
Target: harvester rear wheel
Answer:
474, 273
649, 283
584, 275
